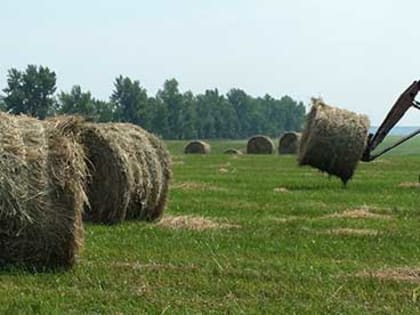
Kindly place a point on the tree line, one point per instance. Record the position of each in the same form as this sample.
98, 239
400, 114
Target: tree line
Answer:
171, 113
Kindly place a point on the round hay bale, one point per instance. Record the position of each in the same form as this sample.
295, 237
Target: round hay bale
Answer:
260, 145
41, 193
130, 172
197, 147
289, 143
152, 165
110, 178
233, 151
165, 164
333, 140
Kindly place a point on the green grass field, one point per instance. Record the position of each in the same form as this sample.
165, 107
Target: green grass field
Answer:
270, 238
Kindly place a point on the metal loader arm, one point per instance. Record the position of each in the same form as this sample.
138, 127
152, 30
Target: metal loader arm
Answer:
401, 106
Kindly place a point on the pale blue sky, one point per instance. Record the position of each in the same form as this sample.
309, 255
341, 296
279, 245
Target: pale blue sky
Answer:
358, 55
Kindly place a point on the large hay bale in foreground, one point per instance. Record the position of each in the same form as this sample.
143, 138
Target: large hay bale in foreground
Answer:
130, 172
42, 171
260, 145
197, 147
289, 143
333, 140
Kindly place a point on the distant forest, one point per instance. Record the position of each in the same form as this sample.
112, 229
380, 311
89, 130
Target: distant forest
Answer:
172, 114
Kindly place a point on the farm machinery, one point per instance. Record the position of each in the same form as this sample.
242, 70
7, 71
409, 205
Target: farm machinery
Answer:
406, 100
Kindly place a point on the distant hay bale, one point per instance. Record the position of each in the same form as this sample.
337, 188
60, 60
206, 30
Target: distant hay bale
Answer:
197, 147
42, 194
233, 151
289, 143
260, 145
333, 140
130, 172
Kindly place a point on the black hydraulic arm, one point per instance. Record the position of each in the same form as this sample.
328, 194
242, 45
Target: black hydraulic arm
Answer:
401, 106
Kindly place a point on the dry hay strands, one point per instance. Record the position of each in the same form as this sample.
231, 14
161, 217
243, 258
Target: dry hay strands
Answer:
233, 151
42, 193
152, 170
260, 145
130, 173
289, 143
197, 147
164, 160
333, 140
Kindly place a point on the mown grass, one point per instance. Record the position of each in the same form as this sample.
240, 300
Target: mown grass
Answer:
279, 257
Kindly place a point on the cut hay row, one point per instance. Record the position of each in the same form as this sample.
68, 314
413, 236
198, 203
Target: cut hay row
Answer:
289, 143
259, 145
333, 140
233, 151
130, 172
42, 171
197, 147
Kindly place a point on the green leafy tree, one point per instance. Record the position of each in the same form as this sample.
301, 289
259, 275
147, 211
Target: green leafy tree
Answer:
294, 113
130, 101
82, 103
2, 104
218, 118
242, 103
159, 117
228, 122
173, 100
105, 111
206, 116
188, 117
31, 91
273, 115
77, 102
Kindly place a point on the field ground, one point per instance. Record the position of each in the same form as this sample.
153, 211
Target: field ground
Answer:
260, 235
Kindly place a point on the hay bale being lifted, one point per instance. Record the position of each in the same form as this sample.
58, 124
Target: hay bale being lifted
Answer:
333, 140
130, 172
42, 171
197, 147
289, 143
260, 145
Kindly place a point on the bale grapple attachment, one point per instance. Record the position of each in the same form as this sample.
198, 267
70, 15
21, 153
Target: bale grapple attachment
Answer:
406, 100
